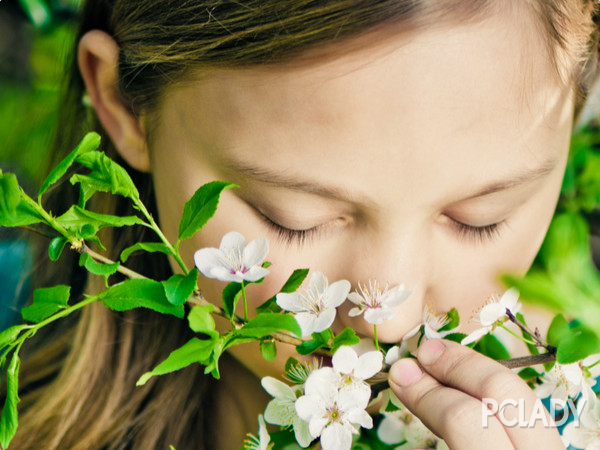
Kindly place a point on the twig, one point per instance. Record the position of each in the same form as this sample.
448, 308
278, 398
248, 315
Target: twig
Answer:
534, 335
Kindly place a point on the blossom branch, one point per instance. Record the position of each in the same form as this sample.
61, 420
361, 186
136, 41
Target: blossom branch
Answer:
540, 342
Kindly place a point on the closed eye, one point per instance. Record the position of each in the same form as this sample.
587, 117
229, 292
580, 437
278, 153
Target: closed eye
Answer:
291, 236
478, 234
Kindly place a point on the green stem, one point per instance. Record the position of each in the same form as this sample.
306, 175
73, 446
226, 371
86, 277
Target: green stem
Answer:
51, 221
157, 230
375, 337
527, 341
245, 301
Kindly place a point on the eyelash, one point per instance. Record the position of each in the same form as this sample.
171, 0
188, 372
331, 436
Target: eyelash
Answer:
477, 234
290, 236
464, 231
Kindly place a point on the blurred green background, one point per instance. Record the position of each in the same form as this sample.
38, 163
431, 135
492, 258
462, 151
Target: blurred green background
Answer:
36, 37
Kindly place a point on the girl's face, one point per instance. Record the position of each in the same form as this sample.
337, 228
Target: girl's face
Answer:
432, 159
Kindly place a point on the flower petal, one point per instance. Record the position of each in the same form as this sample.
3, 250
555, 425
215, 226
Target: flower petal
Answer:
290, 302
309, 323
344, 360
337, 293
224, 274
368, 365
324, 320
360, 417
307, 405
280, 412
256, 273
356, 298
232, 241
379, 315
207, 258
255, 252
318, 281
336, 437
355, 312
277, 389
509, 298
491, 313
302, 433
475, 335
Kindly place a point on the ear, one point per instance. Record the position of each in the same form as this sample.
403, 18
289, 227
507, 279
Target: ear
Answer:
97, 56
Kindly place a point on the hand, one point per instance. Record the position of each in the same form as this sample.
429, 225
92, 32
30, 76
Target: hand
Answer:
445, 389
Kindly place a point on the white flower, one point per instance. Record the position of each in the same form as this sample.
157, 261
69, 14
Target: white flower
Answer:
587, 434
332, 414
402, 425
494, 311
262, 442
281, 410
314, 308
561, 382
354, 369
234, 260
375, 302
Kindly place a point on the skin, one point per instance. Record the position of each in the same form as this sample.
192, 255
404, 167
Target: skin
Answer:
381, 149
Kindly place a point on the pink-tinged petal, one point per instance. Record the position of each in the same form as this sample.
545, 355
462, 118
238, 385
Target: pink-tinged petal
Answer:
309, 323
509, 298
318, 281
307, 405
336, 437
223, 274
256, 273
360, 417
355, 312
207, 258
302, 433
324, 320
337, 293
290, 302
255, 252
491, 313
368, 365
344, 360
277, 388
356, 298
474, 336
280, 412
378, 316
232, 240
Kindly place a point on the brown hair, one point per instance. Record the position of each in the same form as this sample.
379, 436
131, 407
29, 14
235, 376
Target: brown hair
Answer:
79, 379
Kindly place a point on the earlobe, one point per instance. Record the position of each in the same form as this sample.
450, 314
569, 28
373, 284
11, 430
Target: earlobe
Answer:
97, 56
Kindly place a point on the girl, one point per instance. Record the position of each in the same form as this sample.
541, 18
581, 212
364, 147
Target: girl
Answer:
418, 142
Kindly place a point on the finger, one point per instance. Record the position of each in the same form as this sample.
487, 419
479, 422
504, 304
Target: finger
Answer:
522, 414
451, 414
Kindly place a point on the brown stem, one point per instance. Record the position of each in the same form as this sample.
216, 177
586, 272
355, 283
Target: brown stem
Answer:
535, 336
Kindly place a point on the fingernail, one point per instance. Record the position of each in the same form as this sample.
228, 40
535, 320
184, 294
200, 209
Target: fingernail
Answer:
430, 351
405, 372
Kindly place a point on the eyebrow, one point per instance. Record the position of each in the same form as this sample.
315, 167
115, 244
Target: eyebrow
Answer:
275, 179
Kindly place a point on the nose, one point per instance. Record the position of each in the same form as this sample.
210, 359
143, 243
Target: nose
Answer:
391, 259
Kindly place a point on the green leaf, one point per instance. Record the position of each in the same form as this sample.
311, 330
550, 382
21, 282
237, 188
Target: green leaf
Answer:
529, 373
201, 320
46, 301
179, 288
455, 337
149, 247
193, 351
84, 223
489, 345
139, 293
268, 323
24, 215
10, 334
454, 320
105, 176
90, 142
269, 306
319, 340
346, 337
268, 349
9, 419
10, 194
92, 266
294, 281
580, 343
231, 295
56, 247
201, 207
558, 330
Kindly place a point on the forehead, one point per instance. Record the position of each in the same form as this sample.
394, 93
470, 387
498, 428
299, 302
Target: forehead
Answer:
475, 98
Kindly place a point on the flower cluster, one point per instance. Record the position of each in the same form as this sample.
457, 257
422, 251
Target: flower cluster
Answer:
330, 404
